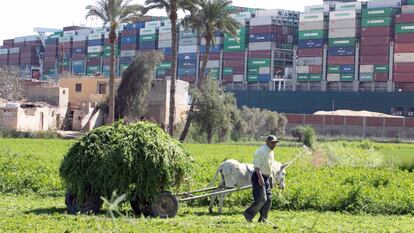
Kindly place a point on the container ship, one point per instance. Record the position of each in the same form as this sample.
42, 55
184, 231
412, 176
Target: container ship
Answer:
337, 55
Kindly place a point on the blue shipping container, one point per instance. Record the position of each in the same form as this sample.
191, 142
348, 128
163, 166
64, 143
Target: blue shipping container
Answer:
95, 42
79, 50
135, 26
264, 78
341, 51
309, 44
347, 69
167, 51
213, 49
186, 72
129, 40
187, 56
186, 63
125, 60
148, 45
262, 37
51, 41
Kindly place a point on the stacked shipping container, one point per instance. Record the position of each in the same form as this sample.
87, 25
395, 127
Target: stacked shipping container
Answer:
129, 43
213, 63
234, 57
404, 49
188, 55
94, 53
164, 70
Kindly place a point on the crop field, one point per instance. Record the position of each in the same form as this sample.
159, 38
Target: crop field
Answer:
339, 187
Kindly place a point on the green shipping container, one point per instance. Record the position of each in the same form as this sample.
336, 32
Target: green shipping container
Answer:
252, 78
234, 48
336, 42
381, 68
94, 55
376, 22
366, 77
410, 2
165, 65
123, 67
238, 40
378, 12
227, 71
148, 38
253, 70
315, 77
259, 62
404, 28
313, 34
107, 51
213, 73
334, 69
303, 77
93, 69
347, 78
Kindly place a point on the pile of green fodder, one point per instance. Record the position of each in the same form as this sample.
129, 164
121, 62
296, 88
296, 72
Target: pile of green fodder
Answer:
138, 159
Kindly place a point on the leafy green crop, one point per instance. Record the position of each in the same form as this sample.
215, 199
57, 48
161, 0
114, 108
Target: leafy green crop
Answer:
139, 160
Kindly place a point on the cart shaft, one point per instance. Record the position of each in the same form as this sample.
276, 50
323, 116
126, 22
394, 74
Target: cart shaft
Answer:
214, 193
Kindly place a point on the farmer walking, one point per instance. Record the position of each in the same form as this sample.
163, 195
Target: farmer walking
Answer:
261, 181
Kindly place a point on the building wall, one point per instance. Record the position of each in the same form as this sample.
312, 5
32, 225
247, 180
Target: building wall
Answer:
8, 118
89, 90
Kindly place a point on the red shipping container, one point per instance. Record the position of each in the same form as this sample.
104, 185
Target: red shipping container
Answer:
369, 60
340, 60
260, 54
403, 78
211, 56
404, 68
316, 52
406, 87
377, 31
261, 29
315, 69
375, 40
79, 44
129, 46
237, 70
78, 56
228, 78
404, 38
130, 32
234, 55
404, 18
233, 63
190, 79
404, 47
93, 61
381, 77
168, 57
375, 50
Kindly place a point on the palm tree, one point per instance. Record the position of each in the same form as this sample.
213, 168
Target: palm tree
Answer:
208, 17
171, 7
113, 13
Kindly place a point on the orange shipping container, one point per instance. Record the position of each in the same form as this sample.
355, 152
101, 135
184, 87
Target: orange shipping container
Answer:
315, 69
404, 48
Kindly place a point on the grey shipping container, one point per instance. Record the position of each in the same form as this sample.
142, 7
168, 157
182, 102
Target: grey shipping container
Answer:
188, 41
384, 3
165, 36
342, 33
308, 26
164, 44
310, 61
260, 46
341, 24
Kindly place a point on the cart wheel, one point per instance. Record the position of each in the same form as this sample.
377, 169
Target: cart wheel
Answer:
90, 205
167, 205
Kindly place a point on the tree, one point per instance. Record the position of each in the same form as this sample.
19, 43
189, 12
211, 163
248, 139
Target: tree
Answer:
113, 13
214, 110
135, 85
11, 87
207, 17
171, 7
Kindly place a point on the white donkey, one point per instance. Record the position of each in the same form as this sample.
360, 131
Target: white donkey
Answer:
236, 174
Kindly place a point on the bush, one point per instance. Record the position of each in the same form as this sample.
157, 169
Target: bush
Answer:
139, 160
12, 133
306, 135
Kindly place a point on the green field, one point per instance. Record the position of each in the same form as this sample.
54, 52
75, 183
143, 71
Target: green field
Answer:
340, 187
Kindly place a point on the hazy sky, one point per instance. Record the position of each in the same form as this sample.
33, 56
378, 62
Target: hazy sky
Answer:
19, 17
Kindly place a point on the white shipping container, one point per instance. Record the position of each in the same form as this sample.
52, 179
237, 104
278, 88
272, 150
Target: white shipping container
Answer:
165, 36
152, 24
260, 21
188, 49
64, 39
164, 44
69, 33
95, 36
308, 26
163, 30
167, 23
384, 4
80, 38
211, 64
217, 40
341, 6
366, 68
99, 30
317, 8
272, 12
340, 24
14, 50
238, 78
333, 78
260, 46
32, 38
147, 31
302, 69
407, 9
95, 49
4, 51
341, 33
83, 32
188, 41
340, 15
403, 57
128, 53
19, 39
311, 17
264, 70
309, 61
245, 15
